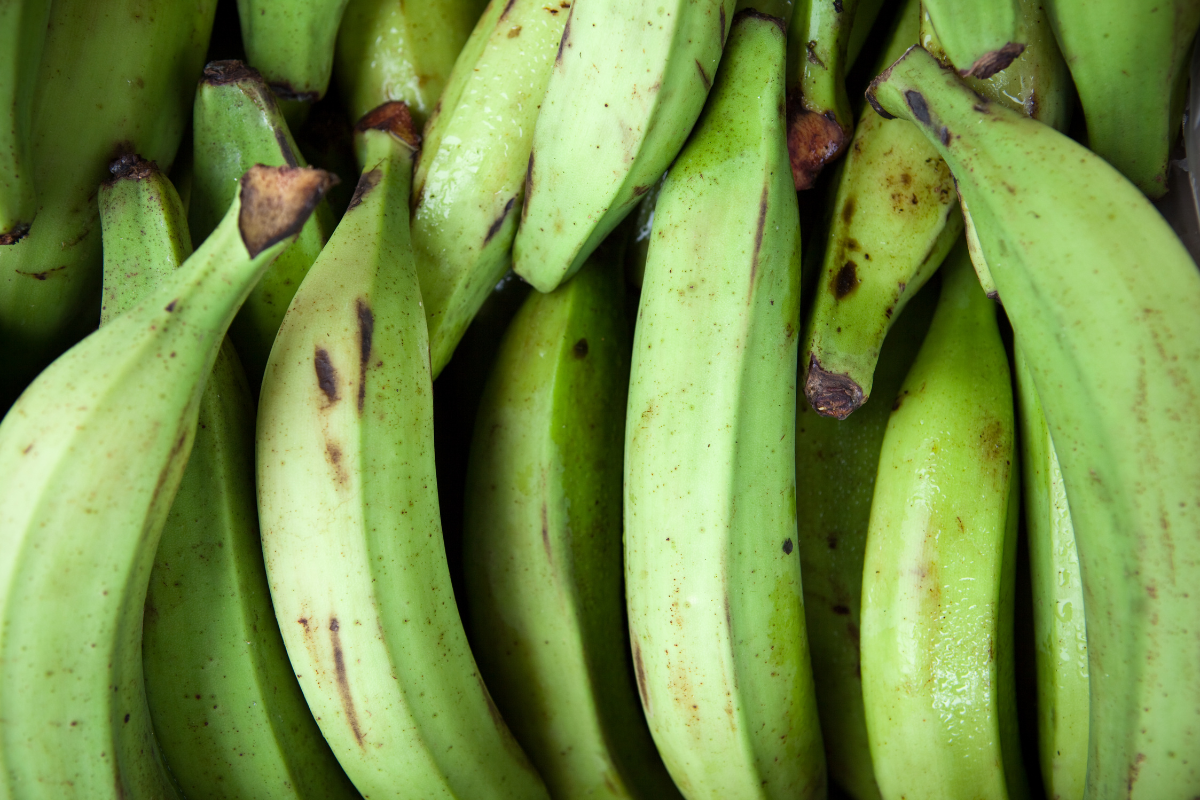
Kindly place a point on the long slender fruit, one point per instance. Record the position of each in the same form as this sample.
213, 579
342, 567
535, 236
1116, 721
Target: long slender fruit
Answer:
237, 124
980, 36
1058, 617
400, 51
469, 184
114, 77
628, 84
226, 708
894, 219
1103, 298
1129, 63
23, 33
712, 576
836, 464
348, 506
938, 576
820, 122
90, 458
542, 542
291, 43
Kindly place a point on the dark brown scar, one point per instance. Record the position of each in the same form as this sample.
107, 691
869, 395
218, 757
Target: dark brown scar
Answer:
563, 41
846, 280
366, 330
920, 109
704, 76
507, 7
285, 149
723, 28
831, 394
499, 221
326, 375
339, 666
528, 187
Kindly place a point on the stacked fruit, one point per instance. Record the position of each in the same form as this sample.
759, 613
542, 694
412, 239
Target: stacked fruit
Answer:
249, 547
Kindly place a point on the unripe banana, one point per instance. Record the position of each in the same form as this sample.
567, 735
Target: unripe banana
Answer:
980, 36
291, 43
348, 506
1102, 297
115, 77
470, 178
894, 219
836, 463
712, 575
542, 541
1129, 62
1058, 617
628, 84
938, 577
236, 124
227, 711
91, 456
23, 33
389, 50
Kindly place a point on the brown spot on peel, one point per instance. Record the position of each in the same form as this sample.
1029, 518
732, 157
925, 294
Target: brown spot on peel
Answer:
581, 348
339, 667
831, 394
276, 202
846, 280
326, 375
366, 330
989, 64
787, 547
916, 102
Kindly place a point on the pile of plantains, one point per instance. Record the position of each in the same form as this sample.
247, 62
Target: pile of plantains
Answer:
482, 458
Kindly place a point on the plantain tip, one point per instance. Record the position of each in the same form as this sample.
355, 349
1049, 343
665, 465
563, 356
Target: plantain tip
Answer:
395, 118
277, 201
831, 394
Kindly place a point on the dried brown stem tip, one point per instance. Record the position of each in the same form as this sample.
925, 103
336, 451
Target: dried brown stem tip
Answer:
219, 73
813, 141
989, 64
393, 117
277, 201
131, 167
831, 394
15, 235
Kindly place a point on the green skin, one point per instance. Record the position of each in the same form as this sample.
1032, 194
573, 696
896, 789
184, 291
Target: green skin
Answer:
1129, 63
23, 33
1058, 617
348, 506
625, 92
144, 65
90, 459
971, 30
291, 43
542, 542
227, 711
468, 188
894, 219
387, 50
938, 575
1103, 298
712, 578
836, 462
236, 124
820, 122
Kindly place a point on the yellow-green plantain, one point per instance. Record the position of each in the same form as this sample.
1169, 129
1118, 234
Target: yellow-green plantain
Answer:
226, 708
1058, 619
115, 77
712, 575
470, 178
91, 456
1129, 62
628, 83
389, 50
836, 463
542, 541
23, 33
1102, 297
938, 575
237, 124
347, 498
291, 43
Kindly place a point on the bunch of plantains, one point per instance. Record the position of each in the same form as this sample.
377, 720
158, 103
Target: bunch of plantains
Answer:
413, 399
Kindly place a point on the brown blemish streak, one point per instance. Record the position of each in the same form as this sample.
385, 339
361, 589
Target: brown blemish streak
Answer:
499, 222
758, 233
561, 44
285, 149
507, 7
704, 76
366, 331
546, 533
640, 671
339, 666
528, 187
724, 29
366, 182
811, 51
326, 375
40, 276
